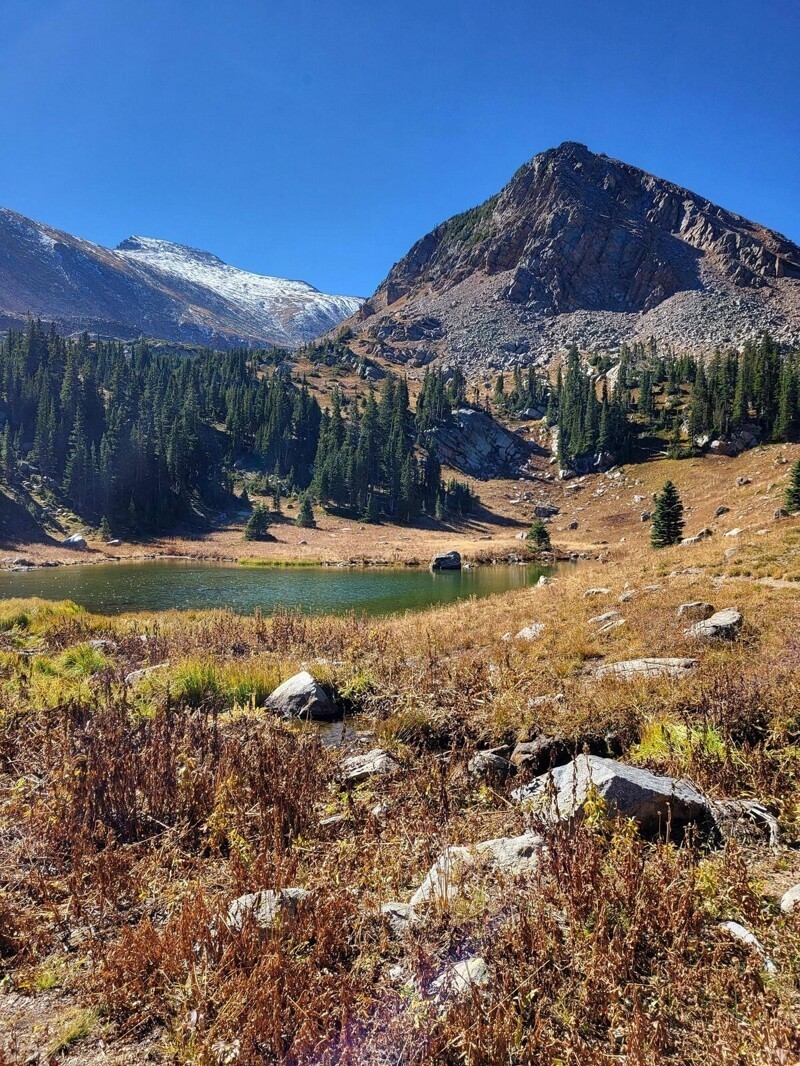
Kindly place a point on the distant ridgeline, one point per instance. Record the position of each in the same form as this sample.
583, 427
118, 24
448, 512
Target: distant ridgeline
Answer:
143, 438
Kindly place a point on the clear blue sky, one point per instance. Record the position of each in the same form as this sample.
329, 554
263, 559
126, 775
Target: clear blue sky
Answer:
320, 138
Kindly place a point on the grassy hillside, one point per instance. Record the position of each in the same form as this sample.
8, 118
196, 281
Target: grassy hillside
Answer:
133, 814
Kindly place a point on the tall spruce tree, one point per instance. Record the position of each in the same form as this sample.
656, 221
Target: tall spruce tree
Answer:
792, 494
667, 527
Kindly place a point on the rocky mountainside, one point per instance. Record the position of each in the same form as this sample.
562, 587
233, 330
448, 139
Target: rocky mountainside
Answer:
153, 288
581, 247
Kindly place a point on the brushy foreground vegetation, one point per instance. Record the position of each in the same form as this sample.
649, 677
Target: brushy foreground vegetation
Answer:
132, 814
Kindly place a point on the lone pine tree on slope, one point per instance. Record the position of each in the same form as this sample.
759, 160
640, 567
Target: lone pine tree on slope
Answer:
667, 517
792, 497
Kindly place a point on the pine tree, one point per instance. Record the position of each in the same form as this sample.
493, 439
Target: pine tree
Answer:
668, 521
792, 495
105, 529
305, 516
257, 525
538, 537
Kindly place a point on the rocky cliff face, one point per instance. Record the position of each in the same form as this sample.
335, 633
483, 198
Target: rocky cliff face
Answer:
153, 288
581, 247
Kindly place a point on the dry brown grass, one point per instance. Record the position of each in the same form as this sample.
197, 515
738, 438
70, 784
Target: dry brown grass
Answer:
130, 817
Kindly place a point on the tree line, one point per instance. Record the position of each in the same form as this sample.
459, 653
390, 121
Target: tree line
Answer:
141, 438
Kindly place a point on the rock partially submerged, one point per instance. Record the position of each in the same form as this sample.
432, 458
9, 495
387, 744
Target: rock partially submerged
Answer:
651, 800
447, 561
632, 669
303, 697
724, 625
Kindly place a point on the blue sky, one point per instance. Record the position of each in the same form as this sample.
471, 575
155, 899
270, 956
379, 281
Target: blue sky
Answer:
320, 138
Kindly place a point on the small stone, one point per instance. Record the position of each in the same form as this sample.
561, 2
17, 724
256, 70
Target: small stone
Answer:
461, 980
790, 900
530, 632
488, 764
720, 511
596, 592
264, 907
744, 936
377, 762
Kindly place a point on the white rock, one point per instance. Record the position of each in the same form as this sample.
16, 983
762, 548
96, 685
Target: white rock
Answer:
373, 763
724, 625
263, 907
790, 900
531, 632
460, 980
744, 936
637, 668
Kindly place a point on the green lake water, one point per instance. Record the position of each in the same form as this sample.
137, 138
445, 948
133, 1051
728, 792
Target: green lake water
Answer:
192, 585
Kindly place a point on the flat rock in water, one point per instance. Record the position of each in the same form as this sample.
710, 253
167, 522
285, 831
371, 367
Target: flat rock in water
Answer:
636, 668
724, 625
650, 799
303, 697
373, 763
447, 561
263, 907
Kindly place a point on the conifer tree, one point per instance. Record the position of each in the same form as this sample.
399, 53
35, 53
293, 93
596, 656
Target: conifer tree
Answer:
667, 527
792, 495
305, 515
538, 536
257, 525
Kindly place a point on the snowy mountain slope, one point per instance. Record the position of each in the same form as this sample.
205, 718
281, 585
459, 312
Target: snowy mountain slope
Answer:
153, 288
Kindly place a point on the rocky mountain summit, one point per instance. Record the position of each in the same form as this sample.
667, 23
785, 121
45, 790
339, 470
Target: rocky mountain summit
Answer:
153, 288
580, 247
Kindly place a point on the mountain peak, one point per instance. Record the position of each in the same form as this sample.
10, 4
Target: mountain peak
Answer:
582, 247
154, 246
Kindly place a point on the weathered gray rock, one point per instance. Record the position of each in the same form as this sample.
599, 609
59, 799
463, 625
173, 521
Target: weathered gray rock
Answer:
790, 900
490, 765
724, 625
461, 980
77, 541
540, 754
695, 611
632, 669
545, 510
531, 632
374, 763
596, 592
509, 856
475, 444
303, 697
264, 907
146, 671
398, 915
447, 561
750, 940
602, 619
721, 510
651, 800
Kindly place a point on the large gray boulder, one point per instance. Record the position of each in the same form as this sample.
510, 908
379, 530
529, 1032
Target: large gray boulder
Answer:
303, 697
724, 625
650, 799
264, 907
447, 561
632, 669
